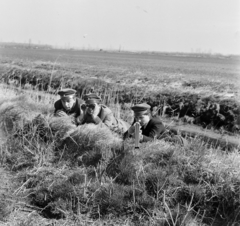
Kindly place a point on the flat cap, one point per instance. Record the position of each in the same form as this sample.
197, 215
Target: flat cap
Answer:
92, 98
66, 92
140, 109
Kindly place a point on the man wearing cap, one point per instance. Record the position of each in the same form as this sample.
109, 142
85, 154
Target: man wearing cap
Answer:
150, 128
69, 105
98, 113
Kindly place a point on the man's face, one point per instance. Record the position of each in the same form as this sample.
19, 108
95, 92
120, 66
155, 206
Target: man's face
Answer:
68, 102
142, 119
91, 108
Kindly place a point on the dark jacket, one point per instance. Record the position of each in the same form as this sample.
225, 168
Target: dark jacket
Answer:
154, 130
75, 110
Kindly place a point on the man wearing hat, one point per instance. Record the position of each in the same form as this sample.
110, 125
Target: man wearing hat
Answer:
97, 113
150, 128
68, 105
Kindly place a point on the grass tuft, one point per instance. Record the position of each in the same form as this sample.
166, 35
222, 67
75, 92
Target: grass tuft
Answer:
87, 144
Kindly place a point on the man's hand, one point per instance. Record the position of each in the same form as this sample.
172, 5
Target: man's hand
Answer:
60, 113
131, 130
80, 119
140, 135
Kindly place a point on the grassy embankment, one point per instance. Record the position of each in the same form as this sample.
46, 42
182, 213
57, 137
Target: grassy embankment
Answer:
86, 175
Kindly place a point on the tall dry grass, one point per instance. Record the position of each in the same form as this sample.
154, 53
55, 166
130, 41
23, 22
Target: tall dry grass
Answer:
19, 108
88, 174
87, 144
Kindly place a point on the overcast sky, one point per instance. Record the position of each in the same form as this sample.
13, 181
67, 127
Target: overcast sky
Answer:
152, 25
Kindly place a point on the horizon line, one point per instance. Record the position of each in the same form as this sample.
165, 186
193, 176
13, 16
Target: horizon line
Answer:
32, 45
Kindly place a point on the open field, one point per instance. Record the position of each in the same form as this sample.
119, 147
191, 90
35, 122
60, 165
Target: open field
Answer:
133, 69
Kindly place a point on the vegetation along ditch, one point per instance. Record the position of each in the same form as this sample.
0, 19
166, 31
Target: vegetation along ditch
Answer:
209, 111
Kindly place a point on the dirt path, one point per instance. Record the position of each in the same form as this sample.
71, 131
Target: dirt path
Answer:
217, 139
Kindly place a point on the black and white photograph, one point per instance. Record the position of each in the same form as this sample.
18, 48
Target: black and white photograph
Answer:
119, 113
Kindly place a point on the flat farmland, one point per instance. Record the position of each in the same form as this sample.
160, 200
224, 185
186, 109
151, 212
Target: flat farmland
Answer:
158, 71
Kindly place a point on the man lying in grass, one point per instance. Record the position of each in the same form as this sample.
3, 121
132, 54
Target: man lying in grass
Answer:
150, 128
97, 113
69, 105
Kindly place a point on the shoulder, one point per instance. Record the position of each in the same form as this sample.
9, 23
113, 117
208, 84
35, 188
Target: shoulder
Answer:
155, 121
106, 109
58, 104
156, 125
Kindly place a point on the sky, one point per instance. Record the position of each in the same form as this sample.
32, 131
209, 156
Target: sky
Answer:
206, 26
